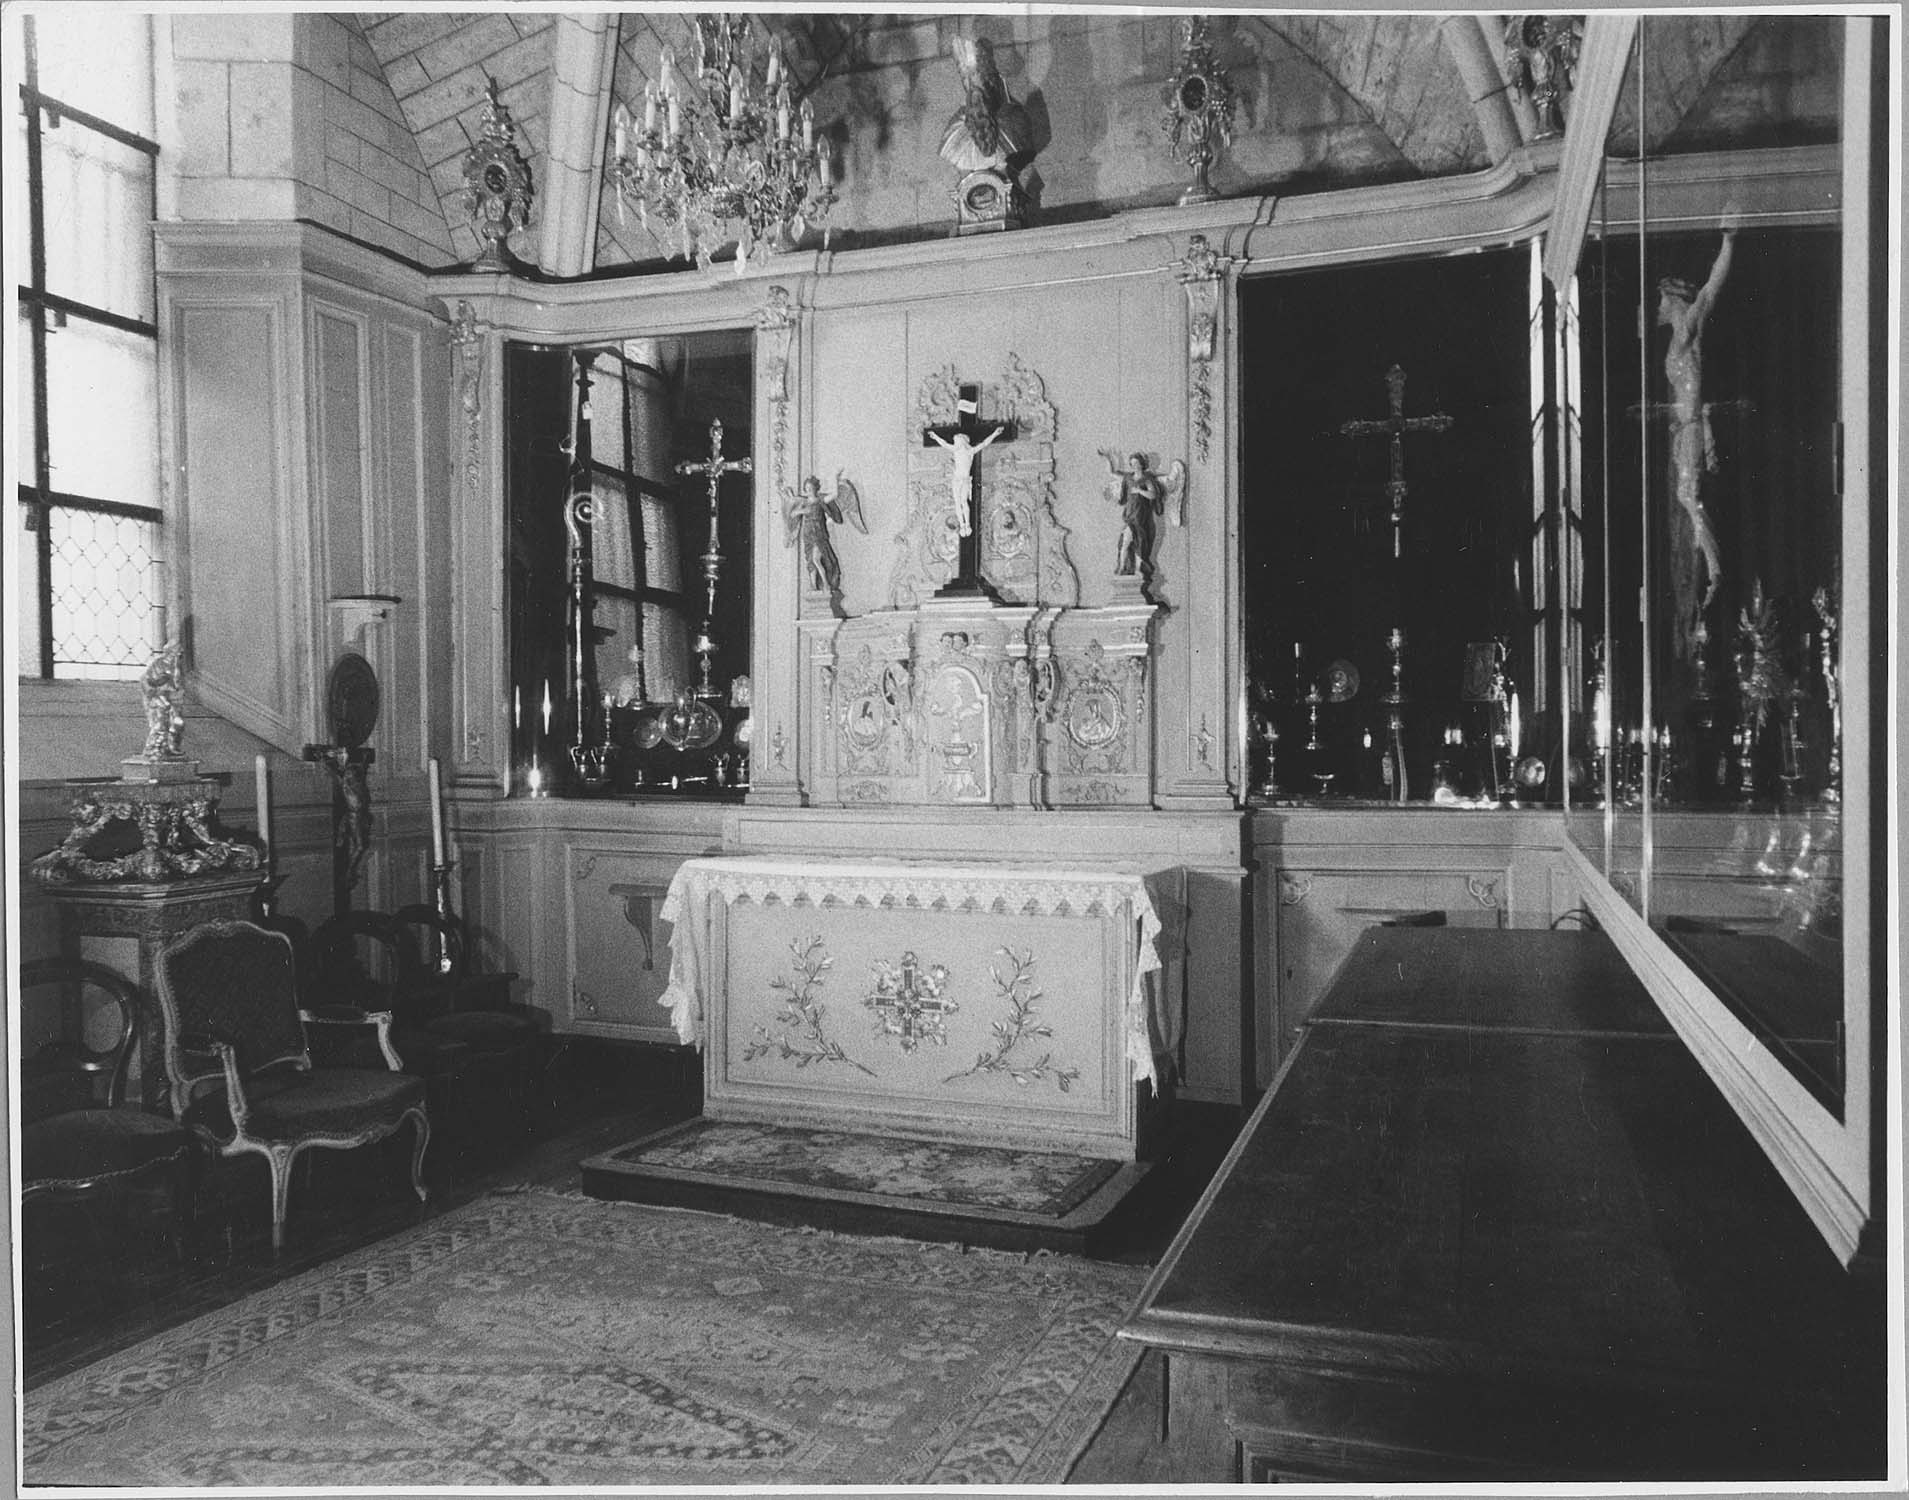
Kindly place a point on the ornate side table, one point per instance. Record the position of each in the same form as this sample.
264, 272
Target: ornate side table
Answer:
125, 923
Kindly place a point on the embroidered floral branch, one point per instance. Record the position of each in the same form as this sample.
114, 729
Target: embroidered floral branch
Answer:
801, 1014
1021, 1025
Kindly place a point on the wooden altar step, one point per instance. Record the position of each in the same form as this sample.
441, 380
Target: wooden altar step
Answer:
990, 1196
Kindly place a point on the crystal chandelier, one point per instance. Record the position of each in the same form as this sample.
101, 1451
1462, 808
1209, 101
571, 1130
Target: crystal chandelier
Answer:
721, 156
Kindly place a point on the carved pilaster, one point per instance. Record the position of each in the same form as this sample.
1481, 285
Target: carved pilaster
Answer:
777, 769
1201, 273
775, 321
478, 740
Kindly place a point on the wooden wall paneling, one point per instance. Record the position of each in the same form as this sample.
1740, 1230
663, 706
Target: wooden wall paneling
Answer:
234, 383
406, 543
338, 383
515, 931
1215, 1039
1321, 876
616, 947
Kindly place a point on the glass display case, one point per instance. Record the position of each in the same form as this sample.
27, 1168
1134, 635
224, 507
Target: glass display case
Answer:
1725, 393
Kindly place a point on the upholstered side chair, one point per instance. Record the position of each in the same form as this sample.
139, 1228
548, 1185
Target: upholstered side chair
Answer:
240, 1070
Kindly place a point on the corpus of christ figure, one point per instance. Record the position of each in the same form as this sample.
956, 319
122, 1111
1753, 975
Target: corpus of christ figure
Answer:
959, 442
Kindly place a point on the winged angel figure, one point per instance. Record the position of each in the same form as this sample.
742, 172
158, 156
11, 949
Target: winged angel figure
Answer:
990, 129
808, 512
1141, 495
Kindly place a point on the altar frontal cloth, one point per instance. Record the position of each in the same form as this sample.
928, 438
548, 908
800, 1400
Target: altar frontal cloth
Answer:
1005, 1003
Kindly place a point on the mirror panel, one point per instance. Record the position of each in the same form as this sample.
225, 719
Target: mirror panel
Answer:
1712, 381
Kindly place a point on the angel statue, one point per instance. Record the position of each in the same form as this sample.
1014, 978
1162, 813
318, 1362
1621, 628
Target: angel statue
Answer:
1141, 495
161, 689
989, 129
809, 512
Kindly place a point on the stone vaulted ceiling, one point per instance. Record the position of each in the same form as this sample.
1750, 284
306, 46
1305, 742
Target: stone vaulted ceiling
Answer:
1323, 102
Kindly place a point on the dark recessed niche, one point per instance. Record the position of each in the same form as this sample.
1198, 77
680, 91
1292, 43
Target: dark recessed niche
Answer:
1323, 586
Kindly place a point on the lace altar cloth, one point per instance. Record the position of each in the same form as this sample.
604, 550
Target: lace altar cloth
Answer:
1036, 890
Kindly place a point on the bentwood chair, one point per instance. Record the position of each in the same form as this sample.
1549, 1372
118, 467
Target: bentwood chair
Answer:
78, 1139
240, 1069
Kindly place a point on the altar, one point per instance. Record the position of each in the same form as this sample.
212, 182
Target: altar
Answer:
1006, 1004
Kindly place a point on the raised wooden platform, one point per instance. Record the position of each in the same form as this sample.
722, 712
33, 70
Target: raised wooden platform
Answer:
874, 1184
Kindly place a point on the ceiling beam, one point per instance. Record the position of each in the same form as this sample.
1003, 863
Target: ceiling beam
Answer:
1602, 63
582, 55
1470, 47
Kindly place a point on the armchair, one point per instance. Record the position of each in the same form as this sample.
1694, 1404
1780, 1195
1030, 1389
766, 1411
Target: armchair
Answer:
78, 1140
240, 1071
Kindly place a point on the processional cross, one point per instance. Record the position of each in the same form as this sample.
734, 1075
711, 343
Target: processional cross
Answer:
963, 441
1395, 427
713, 467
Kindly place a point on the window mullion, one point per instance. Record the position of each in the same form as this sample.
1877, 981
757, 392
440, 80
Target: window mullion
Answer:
36, 336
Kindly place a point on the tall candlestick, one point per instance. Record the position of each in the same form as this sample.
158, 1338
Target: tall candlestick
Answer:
262, 790
437, 815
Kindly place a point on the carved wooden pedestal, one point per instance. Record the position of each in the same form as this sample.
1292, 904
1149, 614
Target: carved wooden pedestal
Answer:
124, 925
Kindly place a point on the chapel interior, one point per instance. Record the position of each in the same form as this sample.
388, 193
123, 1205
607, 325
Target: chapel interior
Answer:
1293, 609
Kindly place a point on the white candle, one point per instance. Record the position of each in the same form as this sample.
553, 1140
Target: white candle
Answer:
808, 126
649, 110
262, 791
437, 816
546, 708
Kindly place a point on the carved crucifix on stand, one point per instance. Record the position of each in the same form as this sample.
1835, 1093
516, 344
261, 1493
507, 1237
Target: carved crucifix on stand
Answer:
963, 441
1395, 428
712, 468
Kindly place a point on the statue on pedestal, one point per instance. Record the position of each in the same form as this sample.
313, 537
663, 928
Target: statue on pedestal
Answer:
1142, 496
161, 688
808, 513
158, 822
988, 138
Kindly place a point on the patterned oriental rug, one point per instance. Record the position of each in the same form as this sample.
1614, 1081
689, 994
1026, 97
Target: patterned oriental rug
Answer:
542, 1339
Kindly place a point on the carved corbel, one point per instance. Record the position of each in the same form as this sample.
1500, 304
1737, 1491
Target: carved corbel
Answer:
1200, 273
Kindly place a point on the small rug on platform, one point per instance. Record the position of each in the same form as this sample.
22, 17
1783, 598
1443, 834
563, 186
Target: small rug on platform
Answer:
1049, 1183
540, 1339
